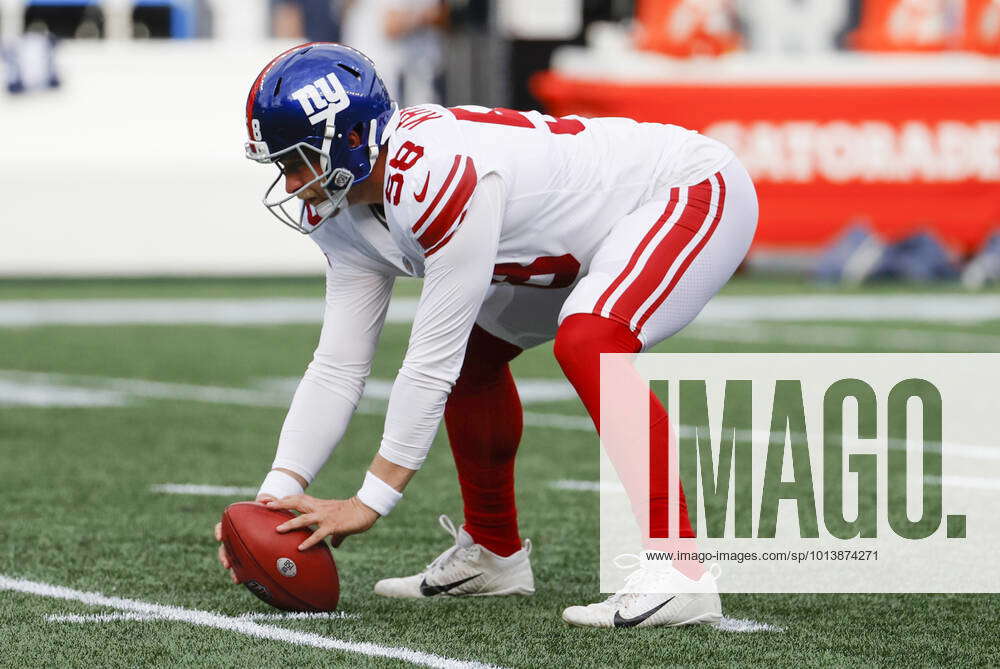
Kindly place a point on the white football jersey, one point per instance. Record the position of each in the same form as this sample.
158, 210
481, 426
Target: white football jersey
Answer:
471, 196
567, 182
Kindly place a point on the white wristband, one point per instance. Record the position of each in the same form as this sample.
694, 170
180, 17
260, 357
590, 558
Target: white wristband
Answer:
279, 484
378, 495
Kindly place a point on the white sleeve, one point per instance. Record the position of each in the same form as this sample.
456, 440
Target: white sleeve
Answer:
356, 303
456, 278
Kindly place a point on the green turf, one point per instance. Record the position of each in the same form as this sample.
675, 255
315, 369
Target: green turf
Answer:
312, 286
174, 287
75, 483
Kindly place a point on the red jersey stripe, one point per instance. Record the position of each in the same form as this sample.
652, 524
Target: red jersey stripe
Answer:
437, 196
451, 233
452, 210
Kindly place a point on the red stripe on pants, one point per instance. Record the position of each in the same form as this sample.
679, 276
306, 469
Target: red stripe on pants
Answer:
691, 256
664, 254
667, 213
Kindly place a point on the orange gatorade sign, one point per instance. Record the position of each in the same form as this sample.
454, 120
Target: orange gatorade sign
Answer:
982, 26
902, 156
908, 25
687, 27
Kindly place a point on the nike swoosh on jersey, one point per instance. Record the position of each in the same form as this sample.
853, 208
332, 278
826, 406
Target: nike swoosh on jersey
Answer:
632, 622
428, 590
422, 195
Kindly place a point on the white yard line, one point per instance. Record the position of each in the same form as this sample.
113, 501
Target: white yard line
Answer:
141, 388
264, 311
559, 421
141, 617
978, 482
104, 618
932, 307
742, 625
332, 615
841, 336
233, 624
196, 489
14, 393
531, 390
584, 486
280, 398
45, 389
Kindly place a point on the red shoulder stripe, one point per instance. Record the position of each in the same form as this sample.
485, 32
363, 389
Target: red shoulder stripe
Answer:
451, 233
437, 197
448, 220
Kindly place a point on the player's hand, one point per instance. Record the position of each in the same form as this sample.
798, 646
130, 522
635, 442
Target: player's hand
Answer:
335, 518
223, 555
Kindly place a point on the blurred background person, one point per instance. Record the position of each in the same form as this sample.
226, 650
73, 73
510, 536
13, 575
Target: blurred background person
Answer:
30, 63
307, 20
871, 129
862, 121
406, 39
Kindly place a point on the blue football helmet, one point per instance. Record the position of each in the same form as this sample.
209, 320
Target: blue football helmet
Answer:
302, 107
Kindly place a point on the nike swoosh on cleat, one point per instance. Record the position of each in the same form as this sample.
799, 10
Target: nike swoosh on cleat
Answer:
428, 590
423, 193
632, 622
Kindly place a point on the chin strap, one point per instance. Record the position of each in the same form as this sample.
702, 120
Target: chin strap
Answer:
329, 132
373, 142
390, 127
373, 145
325, 209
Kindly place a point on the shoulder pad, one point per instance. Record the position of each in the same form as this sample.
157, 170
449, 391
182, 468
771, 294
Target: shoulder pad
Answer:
430, 177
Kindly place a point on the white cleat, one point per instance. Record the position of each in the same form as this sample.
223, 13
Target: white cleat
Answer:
650, 598
465, 569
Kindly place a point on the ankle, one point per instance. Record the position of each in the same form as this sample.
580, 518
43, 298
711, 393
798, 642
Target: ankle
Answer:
499, 546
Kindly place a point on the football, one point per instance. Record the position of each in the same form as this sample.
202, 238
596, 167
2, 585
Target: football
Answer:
270, 564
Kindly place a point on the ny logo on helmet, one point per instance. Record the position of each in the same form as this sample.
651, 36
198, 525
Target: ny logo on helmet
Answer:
322, 99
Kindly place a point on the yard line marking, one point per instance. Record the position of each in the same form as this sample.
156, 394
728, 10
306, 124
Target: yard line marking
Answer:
13, 393
130, 311
530, 389
586, 486
956, 450
842, 336
155, 389
270, 393
742, 625
942, 308
196, 489
559, 421
142, 617
979, 482
368, 406
103, 618
932, 307
237, 625
331, 615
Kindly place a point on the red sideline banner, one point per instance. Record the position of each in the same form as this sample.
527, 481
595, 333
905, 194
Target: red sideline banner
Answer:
902, 157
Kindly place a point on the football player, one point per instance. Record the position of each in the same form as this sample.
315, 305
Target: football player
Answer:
604, 234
